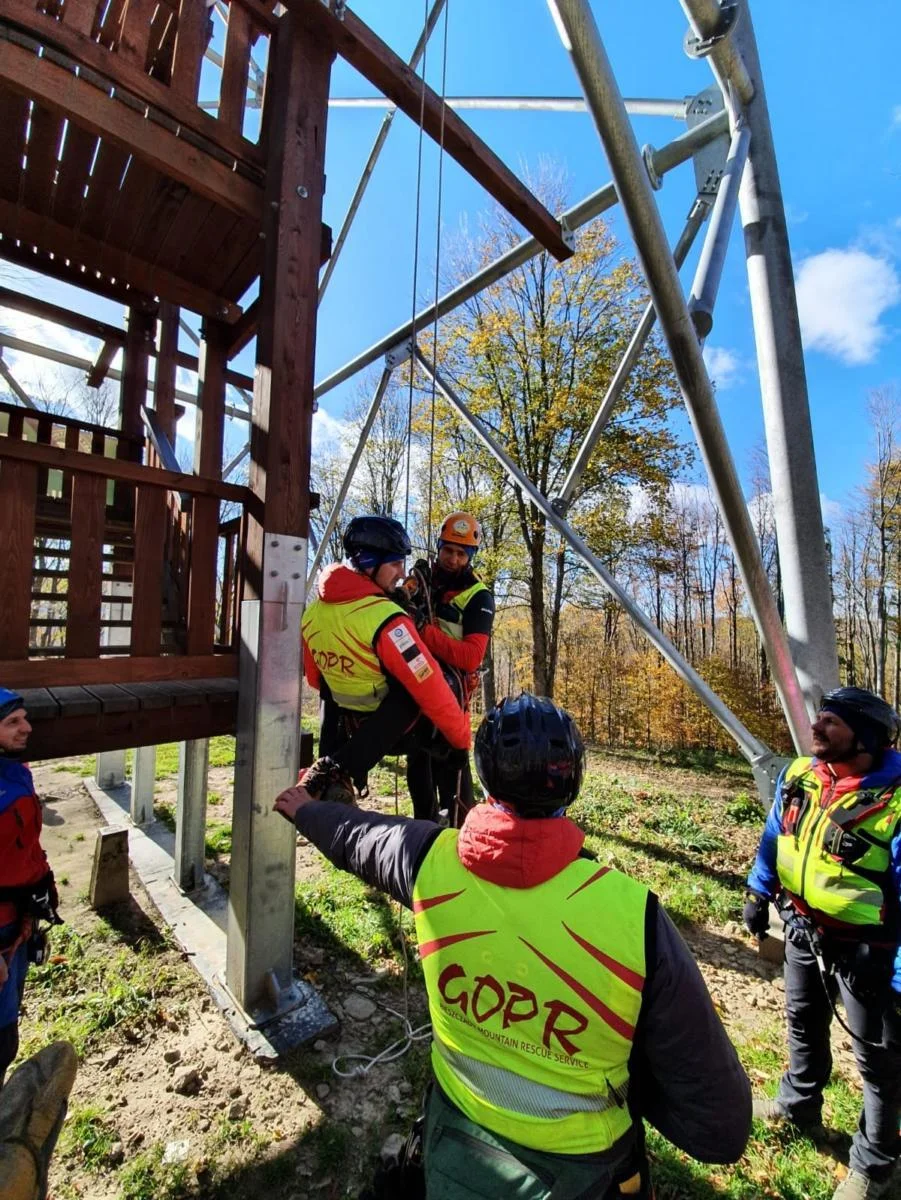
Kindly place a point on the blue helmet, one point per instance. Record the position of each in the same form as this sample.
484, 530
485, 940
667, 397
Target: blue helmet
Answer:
9, 702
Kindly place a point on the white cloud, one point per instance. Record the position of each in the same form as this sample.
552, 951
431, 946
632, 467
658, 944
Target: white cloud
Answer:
724, 366
833, 510
328, 432
842, 295
896, 117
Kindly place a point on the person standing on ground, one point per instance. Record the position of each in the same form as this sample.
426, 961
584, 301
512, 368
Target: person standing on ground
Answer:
565, 1006
456, 617
830, 859
380, 687
27, 890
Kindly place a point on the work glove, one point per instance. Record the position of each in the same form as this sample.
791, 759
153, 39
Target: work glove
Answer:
757, 914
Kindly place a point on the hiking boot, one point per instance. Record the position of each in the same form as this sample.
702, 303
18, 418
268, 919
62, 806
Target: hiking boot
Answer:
772, 1112
857, 1186
327, 781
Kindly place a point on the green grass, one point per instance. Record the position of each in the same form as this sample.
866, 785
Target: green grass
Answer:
94, 984
88, 1138
147, 1177
339, 912
218, 839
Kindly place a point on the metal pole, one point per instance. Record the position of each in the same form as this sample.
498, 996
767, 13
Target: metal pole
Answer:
713, 253
384, 130
803, 560
373, 411
679, 150
636, 106
561, 503
581, 37
236, 461
752, 749
712, 27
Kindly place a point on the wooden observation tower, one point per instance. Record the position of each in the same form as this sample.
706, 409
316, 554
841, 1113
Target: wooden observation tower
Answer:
169, 623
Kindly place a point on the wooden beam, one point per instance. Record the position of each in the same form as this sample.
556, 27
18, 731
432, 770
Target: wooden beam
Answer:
90, 108
99, 257
124, 75
102, 363
99, 732
120, 470
245, 328
165, 377
72, 319
283, 405
18, 500
208, 440
24, 254
51, 672
377, 62
112, 336
138, 343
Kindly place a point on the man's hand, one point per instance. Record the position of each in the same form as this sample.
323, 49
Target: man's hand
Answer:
290, 800
4, 972
757, 914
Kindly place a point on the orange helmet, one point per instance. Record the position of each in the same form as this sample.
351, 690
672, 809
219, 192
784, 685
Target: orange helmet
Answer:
461, 529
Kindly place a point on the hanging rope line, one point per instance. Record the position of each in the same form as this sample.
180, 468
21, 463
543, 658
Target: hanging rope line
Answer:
429, 522
415, 269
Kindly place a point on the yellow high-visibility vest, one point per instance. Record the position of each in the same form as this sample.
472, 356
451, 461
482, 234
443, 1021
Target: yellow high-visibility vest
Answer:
837, 858
534, 995
340, 638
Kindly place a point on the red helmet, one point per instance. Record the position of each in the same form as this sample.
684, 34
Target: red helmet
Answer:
460, 529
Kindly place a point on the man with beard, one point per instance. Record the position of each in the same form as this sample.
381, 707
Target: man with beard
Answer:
830, 858
457, 614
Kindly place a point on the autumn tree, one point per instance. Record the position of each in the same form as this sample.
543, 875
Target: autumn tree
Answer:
532, 356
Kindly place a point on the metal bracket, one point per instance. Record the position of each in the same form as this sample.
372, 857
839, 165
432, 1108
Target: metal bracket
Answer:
710, 161
399, 354
647, 153
284, 568
697, 47
568, 235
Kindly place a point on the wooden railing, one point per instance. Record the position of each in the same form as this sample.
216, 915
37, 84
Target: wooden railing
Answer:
111, 560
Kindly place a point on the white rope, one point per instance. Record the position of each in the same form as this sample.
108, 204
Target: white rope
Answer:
398, 1049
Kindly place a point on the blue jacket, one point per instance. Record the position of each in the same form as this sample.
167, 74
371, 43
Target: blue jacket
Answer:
764, 878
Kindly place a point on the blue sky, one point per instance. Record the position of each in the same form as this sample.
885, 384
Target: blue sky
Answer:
835, 106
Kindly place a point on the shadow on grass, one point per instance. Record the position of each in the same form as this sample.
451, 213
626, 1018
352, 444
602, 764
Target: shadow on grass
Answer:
133, 926
693, 862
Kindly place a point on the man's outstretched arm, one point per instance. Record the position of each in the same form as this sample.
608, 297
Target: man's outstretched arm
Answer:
383, 851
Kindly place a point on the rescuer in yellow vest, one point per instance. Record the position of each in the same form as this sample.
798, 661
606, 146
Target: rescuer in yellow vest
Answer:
456, 616
565, 1006
830, 858
376, 678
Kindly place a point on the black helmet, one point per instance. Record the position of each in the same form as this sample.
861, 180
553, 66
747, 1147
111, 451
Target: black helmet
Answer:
875, 722
378, 539
529, 754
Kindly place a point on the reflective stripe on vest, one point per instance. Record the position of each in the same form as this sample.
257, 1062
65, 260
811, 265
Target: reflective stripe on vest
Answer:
834, 855
450, 616
533, 1009
340, 638
507, 1089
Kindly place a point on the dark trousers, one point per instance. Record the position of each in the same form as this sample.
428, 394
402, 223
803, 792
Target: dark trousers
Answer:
358, 741
433, 784
463, 1161
875, 1146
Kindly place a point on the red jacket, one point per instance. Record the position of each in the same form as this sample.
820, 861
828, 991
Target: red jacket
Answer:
339, 584
22, 859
